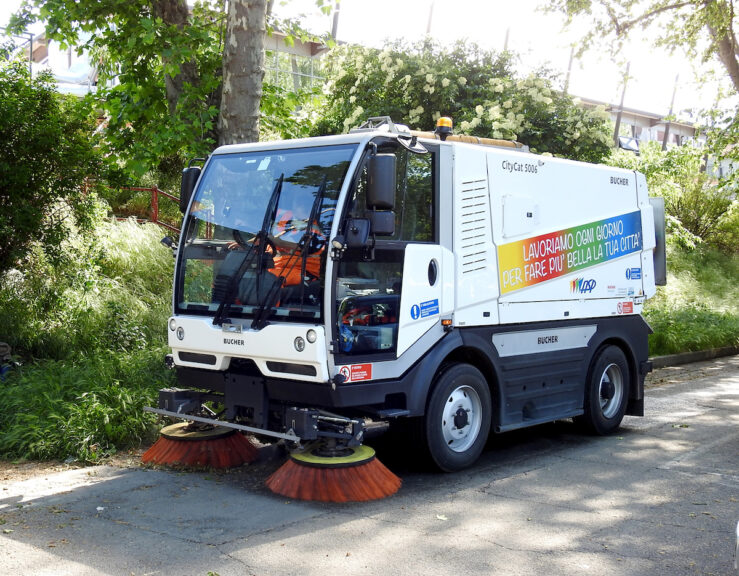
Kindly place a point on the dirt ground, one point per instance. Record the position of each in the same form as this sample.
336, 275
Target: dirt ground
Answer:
16, 471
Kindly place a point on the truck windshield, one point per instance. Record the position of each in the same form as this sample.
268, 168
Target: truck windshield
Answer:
256, 235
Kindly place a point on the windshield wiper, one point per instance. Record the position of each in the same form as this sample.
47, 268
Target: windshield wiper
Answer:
259, 247
303, 245
308, 236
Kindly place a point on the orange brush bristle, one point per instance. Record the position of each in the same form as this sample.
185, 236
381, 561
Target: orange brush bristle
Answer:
178, 446
358, 478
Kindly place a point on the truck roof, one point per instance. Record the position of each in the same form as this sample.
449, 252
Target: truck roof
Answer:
362, 137
352, 138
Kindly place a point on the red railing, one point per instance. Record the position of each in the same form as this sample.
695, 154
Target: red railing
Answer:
155, 192
154, 211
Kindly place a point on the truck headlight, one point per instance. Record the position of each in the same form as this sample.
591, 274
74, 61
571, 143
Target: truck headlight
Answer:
299, 344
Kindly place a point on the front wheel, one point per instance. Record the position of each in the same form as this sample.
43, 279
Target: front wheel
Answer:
457, 420
606, 391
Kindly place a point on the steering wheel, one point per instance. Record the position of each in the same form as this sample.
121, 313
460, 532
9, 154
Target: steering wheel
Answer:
317, 243
239, 239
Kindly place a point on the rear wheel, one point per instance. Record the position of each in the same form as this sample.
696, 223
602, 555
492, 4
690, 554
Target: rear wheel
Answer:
607, 391
457, 420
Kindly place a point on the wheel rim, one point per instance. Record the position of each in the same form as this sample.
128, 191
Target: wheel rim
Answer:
461, 418
611, 390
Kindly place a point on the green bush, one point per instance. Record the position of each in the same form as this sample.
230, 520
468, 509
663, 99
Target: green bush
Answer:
699, 307
111, 291
479, 89
83, 409
699, 207
46, 152
688, 328
91, 332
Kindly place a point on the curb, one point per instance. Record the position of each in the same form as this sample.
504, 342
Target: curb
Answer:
688, 357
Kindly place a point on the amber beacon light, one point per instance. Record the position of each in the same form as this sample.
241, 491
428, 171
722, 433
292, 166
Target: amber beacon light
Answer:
443, 127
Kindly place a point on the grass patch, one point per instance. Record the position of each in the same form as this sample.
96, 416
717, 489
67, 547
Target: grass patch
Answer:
90, 332
111, 291
84, 409
699, 307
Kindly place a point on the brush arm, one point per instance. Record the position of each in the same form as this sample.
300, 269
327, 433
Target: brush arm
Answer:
289, 435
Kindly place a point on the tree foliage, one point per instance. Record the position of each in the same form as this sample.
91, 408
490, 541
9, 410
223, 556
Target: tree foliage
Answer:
699, 208
46, 152
164, 64
479, 89
700, 28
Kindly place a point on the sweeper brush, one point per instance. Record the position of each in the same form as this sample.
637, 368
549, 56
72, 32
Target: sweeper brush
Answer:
334, 474
190, 445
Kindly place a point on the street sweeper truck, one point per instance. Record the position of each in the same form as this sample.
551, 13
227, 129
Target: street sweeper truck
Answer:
328, 287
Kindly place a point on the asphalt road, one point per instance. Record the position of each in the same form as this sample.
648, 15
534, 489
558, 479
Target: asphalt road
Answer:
660, 497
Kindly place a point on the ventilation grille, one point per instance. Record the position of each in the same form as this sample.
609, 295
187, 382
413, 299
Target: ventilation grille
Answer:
474, 229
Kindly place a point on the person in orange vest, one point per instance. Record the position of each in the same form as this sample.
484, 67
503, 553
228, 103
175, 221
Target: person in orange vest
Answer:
287, 233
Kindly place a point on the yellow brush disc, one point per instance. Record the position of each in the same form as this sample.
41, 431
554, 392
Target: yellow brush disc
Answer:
185, 431
350, 456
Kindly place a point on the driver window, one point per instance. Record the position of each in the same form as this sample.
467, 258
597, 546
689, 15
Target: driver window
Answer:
414, 197
414, 210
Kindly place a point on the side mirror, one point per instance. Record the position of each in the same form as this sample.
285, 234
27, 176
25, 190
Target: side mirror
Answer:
357, 232
381, 182
169, 243
190, 177
382, 223
660, 251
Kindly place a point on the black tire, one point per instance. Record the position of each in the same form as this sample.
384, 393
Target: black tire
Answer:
457, 420
606, 391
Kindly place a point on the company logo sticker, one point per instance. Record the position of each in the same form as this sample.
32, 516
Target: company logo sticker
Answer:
582, 286
633, 273
619, 181
356, 372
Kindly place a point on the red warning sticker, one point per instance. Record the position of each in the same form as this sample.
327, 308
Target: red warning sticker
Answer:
625, 307
356, 372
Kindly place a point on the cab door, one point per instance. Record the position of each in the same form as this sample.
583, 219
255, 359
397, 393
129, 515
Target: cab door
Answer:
422, 302
390, 294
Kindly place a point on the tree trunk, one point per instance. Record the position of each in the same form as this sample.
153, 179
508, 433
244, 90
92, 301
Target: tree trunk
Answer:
727, 53
243, 71
175, 13
720, 24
